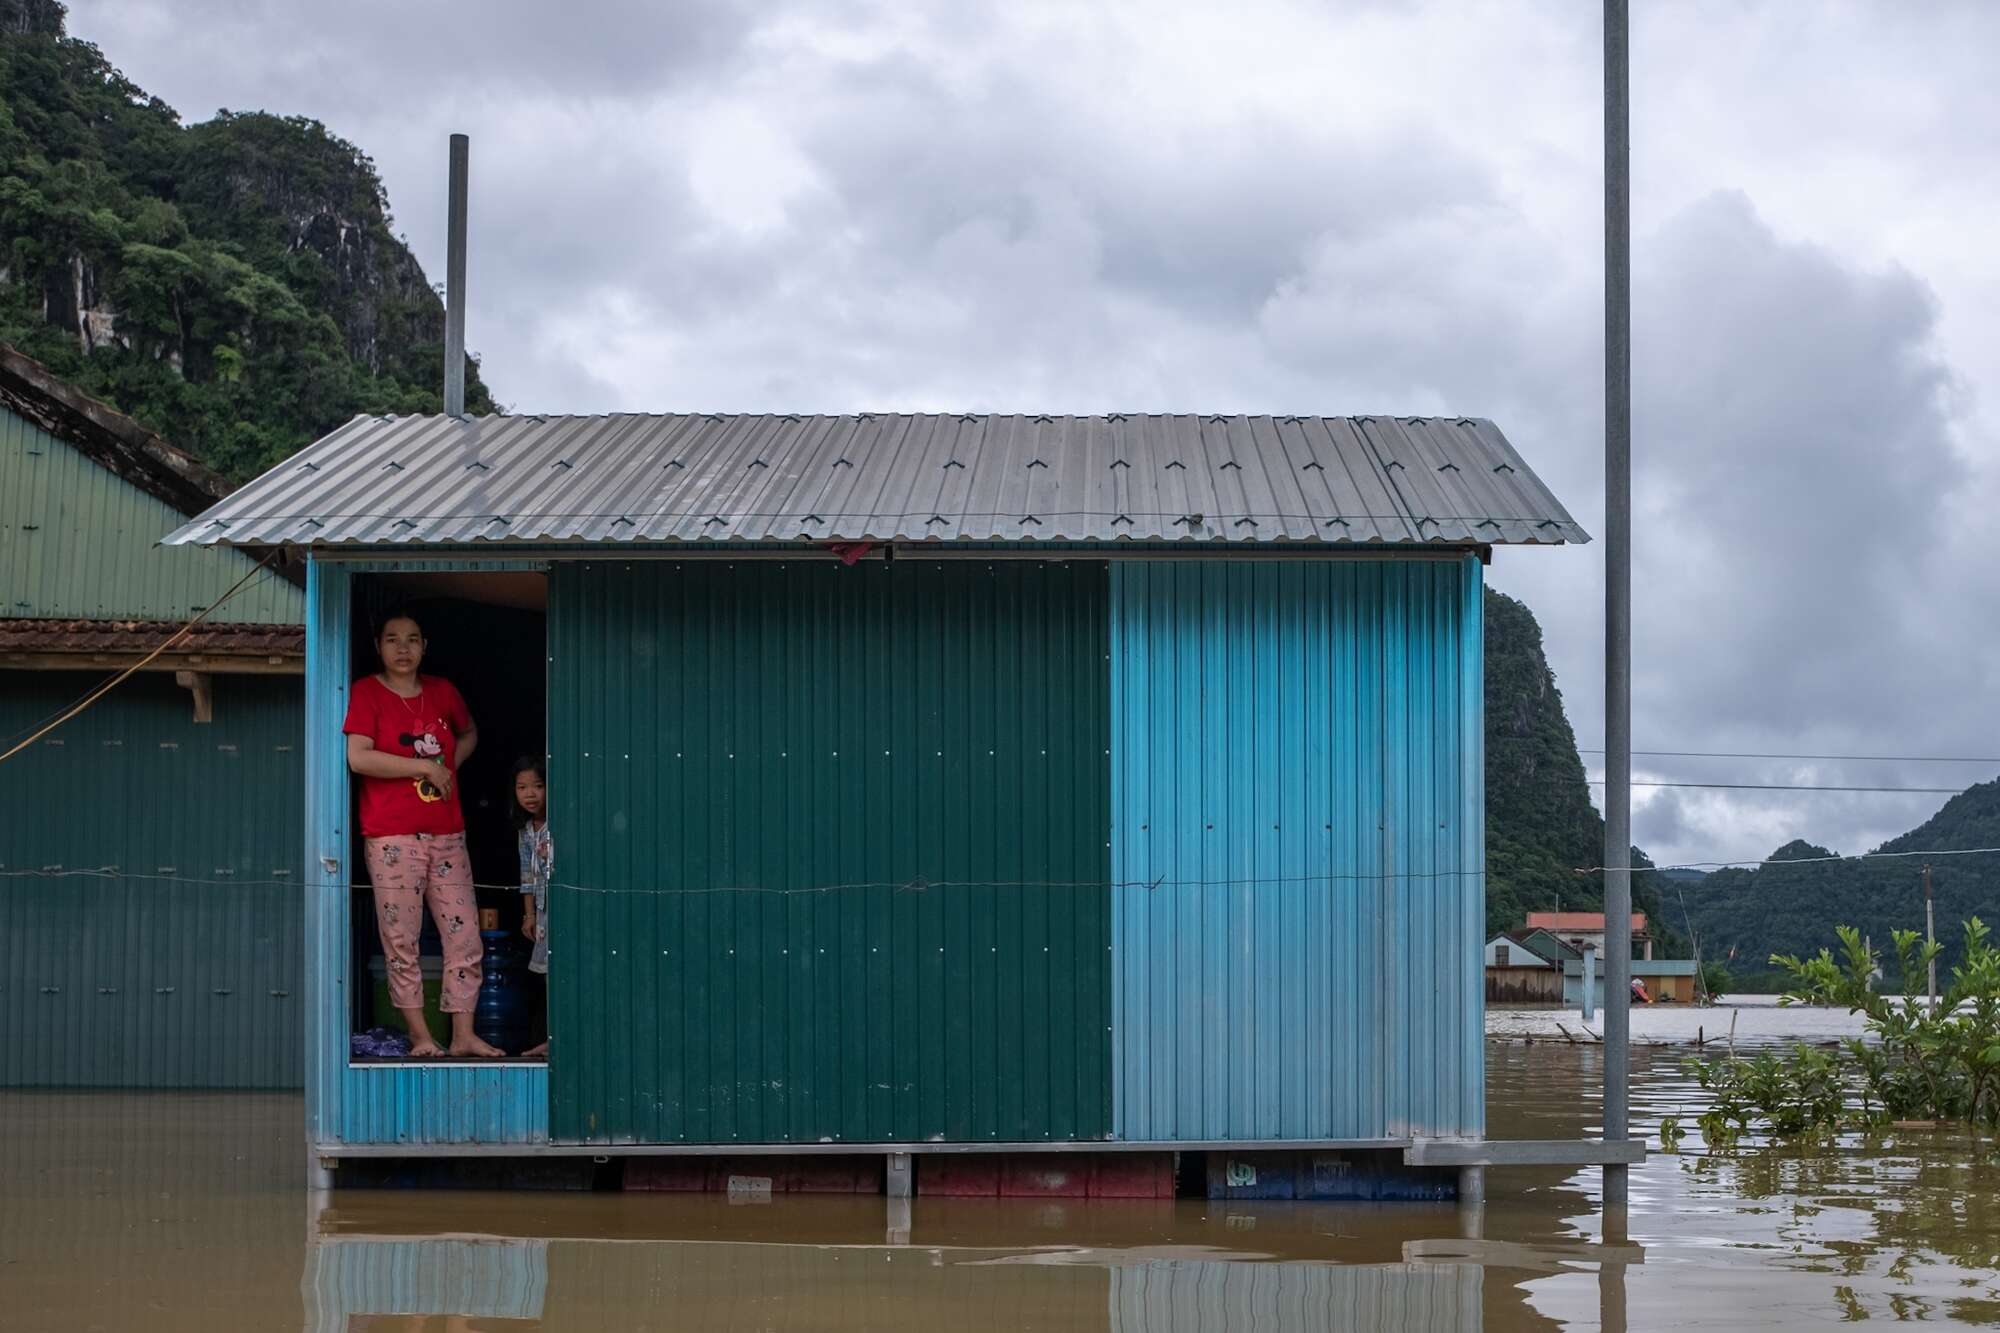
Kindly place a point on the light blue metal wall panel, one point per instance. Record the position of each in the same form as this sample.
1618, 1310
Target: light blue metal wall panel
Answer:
373, 1104
1182, 1296
1297, 844
444, 1103
351, 1278
328, 593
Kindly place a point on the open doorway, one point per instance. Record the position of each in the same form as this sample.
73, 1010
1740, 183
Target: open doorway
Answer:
484, 632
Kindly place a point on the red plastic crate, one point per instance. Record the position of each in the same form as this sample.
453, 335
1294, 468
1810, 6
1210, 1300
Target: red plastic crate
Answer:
954, 1175
827, 1175
1057, 1175
675, 1175
1132, 1175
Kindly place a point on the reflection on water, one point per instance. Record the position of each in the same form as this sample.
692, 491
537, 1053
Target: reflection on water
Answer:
185, 1211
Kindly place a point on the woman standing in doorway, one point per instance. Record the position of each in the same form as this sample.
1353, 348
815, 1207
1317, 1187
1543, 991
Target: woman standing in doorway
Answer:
407, 736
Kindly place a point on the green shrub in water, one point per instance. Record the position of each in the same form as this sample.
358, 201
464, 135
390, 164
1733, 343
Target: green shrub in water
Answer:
1924, 1063
1800, 1095
1915, 1063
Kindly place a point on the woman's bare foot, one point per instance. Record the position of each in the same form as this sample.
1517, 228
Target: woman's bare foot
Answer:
423, 1046
542, 1049
474, 1047
466, 1042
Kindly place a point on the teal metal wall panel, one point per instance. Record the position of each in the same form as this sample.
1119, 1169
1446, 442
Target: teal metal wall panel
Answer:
79, 542
150, 870
832, 851
1298, 823
349, 1104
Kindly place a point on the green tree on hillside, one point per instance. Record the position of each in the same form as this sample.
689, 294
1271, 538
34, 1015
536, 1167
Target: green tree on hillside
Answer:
233, 285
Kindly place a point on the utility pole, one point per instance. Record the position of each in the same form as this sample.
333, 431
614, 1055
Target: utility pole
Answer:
1617, 591
1930, 938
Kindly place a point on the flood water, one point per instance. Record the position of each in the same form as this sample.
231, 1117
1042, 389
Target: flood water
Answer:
186, 1211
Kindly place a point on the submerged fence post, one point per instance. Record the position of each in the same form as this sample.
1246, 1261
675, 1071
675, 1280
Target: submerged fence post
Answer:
1589, 982
1617, 590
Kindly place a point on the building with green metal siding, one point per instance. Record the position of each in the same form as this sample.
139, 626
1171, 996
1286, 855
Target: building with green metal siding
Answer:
930, 784
150, 858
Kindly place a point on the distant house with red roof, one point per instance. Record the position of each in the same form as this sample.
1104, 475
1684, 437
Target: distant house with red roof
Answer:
1585, 930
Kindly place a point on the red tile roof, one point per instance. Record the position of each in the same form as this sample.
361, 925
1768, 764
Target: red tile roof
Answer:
1592, 921
142, 636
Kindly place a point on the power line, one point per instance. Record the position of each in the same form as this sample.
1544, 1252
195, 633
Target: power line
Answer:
1790, 786
1799, 860
912, 885
1855, 758
919, 885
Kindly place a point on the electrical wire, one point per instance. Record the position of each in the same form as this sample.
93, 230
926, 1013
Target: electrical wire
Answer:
917, 885
1789, 786
1846, 758
894, 886
1802, 860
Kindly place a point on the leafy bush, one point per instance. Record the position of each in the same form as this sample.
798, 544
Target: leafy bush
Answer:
1802, 1095
1925, 1063
1915, 1062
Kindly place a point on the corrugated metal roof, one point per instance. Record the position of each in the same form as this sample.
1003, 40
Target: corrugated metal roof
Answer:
113, 440
896, 477
79, 540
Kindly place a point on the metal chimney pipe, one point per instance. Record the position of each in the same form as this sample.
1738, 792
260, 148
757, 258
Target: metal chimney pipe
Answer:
454, 283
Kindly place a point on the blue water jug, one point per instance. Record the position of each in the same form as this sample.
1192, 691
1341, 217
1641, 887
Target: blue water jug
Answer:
505, 1012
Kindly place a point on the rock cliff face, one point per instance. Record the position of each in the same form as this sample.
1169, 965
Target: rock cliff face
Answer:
1541, 822
25, 18
234, 285
287, 190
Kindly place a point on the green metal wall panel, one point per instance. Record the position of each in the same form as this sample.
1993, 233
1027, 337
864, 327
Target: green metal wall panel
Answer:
78, 542
833, 852
149, 881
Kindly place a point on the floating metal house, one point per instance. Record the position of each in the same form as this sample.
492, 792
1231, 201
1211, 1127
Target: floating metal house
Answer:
939, 782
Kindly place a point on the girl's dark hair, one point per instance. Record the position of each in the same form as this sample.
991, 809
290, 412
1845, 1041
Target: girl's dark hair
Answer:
396, 613
527, 763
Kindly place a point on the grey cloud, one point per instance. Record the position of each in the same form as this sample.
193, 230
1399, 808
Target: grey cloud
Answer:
291, 55
1000, 210
1796, 437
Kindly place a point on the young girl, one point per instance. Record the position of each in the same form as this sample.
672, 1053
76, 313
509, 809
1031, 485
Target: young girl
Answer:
531, 820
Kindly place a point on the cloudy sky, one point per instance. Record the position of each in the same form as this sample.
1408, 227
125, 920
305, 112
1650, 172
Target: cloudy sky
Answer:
1375, 207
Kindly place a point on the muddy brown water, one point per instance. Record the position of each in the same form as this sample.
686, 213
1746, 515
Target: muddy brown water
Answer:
167, 1212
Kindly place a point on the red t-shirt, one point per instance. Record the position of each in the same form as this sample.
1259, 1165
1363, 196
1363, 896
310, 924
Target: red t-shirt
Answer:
426, 726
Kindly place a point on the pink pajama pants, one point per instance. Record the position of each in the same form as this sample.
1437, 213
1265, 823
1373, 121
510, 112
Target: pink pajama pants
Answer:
407, 872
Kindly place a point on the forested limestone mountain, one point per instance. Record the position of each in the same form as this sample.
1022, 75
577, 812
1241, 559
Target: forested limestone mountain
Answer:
1541, 823
1792, 905
234, 285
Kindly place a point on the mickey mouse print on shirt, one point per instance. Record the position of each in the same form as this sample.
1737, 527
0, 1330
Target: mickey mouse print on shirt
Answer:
426, 746
426, 726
